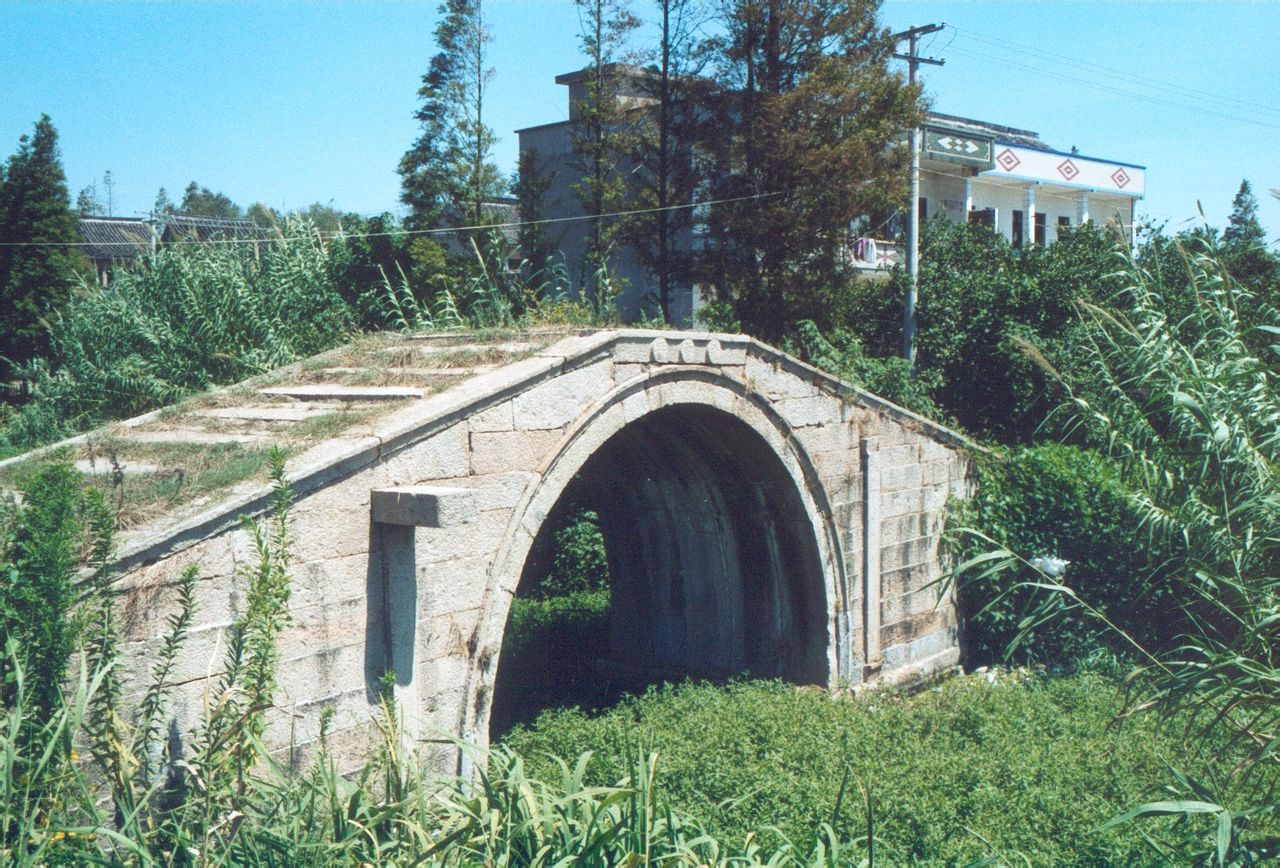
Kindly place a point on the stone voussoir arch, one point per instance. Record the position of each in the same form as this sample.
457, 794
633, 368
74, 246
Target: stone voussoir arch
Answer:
664, 388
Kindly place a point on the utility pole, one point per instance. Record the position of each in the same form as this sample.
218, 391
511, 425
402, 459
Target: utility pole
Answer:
913, 59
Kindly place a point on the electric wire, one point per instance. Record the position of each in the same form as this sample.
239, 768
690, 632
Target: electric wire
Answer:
514, 224
1136, 78
1097, 85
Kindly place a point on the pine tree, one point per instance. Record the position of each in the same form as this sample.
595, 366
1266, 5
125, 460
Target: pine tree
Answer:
664, 160
450, 166
1244, 246
530, 186
39, 263
806, 121
601, 141
163, 205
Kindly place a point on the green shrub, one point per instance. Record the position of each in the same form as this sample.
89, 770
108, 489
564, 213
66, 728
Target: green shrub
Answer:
891, 377
43, 544
1187, 409
190, 317
1011, 768
1069, 503
980, 301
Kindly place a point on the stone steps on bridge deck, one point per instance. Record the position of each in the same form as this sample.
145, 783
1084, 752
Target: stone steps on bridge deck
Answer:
451, 373
324, 392
293, 412
196, 436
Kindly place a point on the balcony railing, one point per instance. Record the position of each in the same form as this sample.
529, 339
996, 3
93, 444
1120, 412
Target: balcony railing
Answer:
874, 254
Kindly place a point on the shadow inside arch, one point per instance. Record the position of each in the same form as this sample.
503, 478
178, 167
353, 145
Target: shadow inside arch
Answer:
712, 564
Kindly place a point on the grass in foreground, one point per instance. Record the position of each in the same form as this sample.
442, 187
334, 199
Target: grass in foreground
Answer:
1026, 768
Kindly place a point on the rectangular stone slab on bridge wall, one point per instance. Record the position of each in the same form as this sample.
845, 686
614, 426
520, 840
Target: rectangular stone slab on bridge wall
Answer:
420, 586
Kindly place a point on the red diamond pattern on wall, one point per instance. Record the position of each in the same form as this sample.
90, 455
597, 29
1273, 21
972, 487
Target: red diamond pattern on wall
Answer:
1121, 177
1068, 169
1008, 160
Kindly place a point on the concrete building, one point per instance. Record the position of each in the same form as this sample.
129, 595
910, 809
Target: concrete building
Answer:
1004, 177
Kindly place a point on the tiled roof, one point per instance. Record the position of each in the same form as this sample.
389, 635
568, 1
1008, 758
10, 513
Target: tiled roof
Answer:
187, 227
1007, 135
113, 239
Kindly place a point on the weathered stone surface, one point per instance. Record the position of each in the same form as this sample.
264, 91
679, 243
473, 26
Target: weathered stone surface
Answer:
558, 402
273, 413
201, 438
423, 505
325, 392
498, 451
731, 482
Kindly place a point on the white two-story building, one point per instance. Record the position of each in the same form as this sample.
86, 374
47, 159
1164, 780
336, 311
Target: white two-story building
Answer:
1012, 181
970, 170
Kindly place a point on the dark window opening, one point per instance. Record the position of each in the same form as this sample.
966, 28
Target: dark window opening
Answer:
1041, 236
985, 217
924, 209
1016, 231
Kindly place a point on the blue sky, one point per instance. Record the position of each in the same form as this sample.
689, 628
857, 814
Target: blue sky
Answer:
291, 103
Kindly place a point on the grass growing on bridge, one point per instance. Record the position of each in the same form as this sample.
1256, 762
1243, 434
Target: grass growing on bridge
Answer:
1019, 767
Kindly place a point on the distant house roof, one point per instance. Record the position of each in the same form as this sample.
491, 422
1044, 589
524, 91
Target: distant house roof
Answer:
1006, 135
190, 228
114, 239
498, 210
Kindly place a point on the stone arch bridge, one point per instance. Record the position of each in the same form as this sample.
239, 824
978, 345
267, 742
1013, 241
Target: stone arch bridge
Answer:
759, 516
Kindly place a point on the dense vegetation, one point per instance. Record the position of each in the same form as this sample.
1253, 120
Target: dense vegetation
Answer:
1008, 767
1127, 510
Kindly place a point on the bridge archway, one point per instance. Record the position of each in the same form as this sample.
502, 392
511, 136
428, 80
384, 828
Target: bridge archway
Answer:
722, 551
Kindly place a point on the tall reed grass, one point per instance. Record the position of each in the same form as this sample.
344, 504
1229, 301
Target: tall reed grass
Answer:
1189, 410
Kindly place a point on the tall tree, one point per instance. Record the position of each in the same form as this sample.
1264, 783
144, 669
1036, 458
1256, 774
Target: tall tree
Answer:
87, 202
600, 138
1244, 246
163, 204
200, 201
664, 158
38, 233
450, 165
805, 124
530, 186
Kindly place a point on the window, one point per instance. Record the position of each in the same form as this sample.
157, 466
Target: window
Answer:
924, 209
984, 217
1015, 231
1041, 236
1064, 222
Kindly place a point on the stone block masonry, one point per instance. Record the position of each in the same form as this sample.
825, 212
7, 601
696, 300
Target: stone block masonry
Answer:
760, 517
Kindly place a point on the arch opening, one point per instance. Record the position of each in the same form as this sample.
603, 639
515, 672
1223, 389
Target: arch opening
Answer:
713, 571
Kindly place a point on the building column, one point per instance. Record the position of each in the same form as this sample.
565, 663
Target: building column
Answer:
1029, 230
968, 197
1083, 216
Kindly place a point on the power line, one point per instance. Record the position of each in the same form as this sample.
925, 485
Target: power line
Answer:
329, 236
1097, 85
1143, 80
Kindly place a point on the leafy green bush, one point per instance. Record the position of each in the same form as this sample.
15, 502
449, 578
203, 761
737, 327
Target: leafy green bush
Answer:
43, 543
1069, 503
980, 302
190, 317
1010, 768
892, 378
